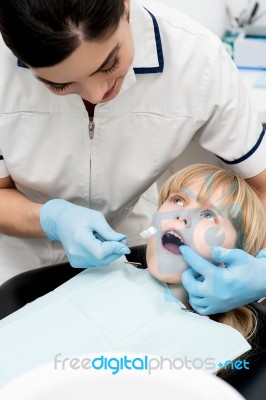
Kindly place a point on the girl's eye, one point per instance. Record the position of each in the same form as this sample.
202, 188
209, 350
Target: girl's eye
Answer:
113, 67
207, 214
57, 88
177, 200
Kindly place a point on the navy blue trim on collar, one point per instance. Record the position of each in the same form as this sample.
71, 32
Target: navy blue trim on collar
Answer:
243, 158
1, 158
21, 64
152, 70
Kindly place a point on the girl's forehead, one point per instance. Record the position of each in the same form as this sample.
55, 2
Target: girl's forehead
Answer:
202, 190
189, 187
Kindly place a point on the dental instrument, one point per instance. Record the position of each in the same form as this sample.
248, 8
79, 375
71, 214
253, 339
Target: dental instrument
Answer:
132, 239
151, 231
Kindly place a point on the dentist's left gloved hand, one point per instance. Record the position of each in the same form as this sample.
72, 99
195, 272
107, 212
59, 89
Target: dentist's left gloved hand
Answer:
213, 289
74, 226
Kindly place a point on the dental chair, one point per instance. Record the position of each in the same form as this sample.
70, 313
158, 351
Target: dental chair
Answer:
29, 285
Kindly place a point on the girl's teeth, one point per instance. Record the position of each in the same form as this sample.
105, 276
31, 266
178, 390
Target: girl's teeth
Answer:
175, 234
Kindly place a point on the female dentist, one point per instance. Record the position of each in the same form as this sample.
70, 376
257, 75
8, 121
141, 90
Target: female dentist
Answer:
98, 98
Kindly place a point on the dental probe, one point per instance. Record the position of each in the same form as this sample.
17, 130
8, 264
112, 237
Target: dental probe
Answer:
151, 231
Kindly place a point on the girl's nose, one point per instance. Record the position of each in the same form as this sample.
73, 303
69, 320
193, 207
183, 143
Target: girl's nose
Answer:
185, 218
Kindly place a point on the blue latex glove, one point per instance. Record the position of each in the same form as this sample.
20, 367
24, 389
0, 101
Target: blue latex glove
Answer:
213, 289
74, 226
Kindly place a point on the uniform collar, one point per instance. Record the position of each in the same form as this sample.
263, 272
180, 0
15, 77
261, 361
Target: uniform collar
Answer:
21, 64
148, 57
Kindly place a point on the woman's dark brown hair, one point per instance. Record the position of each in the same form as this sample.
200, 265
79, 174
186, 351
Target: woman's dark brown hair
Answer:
42, 33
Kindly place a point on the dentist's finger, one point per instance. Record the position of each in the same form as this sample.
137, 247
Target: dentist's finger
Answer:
229, 257
191, 283
198, 301
195, 261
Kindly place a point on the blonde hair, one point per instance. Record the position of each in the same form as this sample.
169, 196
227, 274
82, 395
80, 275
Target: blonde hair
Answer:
246, 212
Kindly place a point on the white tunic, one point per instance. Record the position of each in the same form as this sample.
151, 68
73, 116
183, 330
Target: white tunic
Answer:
182, 86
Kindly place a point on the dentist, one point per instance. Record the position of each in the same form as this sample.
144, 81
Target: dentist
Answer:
98, 98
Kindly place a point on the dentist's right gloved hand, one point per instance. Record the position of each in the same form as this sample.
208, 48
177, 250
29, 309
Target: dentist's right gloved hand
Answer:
73, 226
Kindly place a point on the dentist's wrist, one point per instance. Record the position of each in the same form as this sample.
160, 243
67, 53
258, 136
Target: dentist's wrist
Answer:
49, 214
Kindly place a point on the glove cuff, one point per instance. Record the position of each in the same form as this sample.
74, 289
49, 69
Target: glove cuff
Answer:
49, 214
261, 253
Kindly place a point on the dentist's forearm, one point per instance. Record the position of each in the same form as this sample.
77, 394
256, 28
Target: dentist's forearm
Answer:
19, 216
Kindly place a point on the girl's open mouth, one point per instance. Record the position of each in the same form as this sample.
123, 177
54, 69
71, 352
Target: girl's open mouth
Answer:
171, 241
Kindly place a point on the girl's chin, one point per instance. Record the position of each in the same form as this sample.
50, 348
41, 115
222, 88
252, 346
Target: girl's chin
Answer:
169, 278
172, 280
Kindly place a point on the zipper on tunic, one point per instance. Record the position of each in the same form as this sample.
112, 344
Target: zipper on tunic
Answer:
91, 128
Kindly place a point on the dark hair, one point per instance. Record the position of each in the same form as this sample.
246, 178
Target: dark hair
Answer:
42, 33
